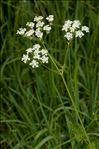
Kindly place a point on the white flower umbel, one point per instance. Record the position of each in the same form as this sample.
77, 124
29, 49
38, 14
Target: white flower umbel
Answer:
79, 34
21, 31
38, 18
68, 35
47, 28
67, 25
34, 64
30, 24
76, 24
35, 55
40, 24
36, 47
25, 58
38, 33
44, 56
44, 59
50, 18
74, 28
36, 28
44, 52
29, 33
85, 28
29, 50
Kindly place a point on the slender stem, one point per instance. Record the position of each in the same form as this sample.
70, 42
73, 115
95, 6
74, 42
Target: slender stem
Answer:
51, 58
66, 50
75, 108
73, 103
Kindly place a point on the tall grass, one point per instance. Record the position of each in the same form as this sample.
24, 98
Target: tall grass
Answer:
55, 106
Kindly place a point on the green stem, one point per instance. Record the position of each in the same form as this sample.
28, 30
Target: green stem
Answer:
66, 50
75, 108
61, 74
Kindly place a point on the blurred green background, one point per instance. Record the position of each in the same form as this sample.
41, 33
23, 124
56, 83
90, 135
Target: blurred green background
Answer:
36, 111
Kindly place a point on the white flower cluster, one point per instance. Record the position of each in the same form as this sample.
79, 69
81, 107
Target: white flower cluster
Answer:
72, 28
35, 55
37, 27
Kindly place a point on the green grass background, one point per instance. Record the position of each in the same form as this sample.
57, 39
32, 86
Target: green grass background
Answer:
42, 108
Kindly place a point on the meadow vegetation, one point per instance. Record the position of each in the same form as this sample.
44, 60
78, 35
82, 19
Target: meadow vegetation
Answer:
54, 106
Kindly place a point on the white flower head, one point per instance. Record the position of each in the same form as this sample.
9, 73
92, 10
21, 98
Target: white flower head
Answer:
29, 50
38, 33
34, 64
44, 52
85, 28
36, 28
35, 55
76, 24
30, 24
79, 34
36, 47
44, 59
40, 24
21, 31
38, 18
25, 58
68, 36
67, 25
50, 18
29, 33
72, 28
41, 55
47, 28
